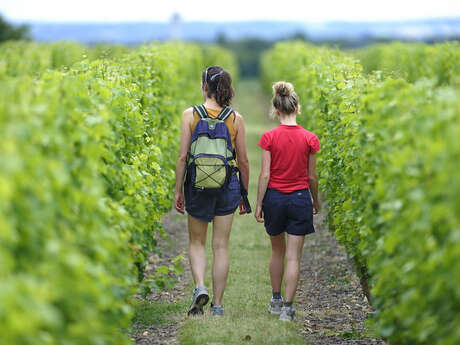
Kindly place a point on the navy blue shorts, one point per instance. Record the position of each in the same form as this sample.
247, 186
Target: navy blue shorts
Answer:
205, 207
291, 213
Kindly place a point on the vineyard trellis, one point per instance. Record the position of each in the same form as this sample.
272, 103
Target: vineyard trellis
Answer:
388, 169
87, 159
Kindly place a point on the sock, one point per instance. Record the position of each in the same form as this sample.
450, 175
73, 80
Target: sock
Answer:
288, 304
201, 287
276, 295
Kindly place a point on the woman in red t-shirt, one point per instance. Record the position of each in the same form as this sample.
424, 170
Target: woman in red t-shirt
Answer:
284, 203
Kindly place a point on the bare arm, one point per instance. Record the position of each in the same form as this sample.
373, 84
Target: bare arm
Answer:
313, 179
241, 155
241, 152
187, 118
264, 178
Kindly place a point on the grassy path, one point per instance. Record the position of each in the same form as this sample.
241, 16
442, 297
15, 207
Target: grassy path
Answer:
248, 290
330, 304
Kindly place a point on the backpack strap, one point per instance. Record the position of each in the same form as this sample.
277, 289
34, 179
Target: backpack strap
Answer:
225, 113
243, 191
201, 110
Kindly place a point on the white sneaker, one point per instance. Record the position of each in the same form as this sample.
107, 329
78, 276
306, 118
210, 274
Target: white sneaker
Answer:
287, 314
216, 310
275, 305
199, 299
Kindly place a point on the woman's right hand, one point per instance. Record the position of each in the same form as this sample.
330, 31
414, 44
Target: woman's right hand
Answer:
179, 202
258, 214
185, 137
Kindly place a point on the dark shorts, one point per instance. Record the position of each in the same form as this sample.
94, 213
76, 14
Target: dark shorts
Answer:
291, 213
205, 207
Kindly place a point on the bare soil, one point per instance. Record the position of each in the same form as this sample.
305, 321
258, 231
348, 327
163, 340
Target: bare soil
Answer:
173, 245
332, 305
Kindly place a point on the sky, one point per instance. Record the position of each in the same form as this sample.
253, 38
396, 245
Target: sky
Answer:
229, 10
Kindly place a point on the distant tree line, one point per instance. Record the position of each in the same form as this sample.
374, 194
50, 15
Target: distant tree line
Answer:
12, 32
249, 50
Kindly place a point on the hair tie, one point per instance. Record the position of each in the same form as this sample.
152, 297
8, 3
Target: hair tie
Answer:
215, 75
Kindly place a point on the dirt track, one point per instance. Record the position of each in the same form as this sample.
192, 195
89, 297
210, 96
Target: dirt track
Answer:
331, 306
329, 293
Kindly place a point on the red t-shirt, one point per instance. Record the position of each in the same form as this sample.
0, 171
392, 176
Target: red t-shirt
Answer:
290, 147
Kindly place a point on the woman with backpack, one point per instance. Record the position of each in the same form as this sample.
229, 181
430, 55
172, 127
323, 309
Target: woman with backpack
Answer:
284, 202
212, 151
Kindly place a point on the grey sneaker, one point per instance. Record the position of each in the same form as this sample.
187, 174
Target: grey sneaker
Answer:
199, 299
275, 306
216, 310
287, 314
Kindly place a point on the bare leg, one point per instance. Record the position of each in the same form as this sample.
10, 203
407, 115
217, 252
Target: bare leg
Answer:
220, 237
293, 255
197, 253
277, 261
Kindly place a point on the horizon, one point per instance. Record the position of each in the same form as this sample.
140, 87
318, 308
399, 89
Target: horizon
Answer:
446, 18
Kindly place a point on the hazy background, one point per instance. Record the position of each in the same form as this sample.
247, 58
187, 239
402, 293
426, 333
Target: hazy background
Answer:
246, 27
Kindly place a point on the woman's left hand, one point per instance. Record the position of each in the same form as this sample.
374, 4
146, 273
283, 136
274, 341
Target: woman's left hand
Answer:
316, 206
242, 207
258, 214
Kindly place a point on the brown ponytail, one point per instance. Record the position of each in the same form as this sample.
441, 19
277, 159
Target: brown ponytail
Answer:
285, 99
219, 84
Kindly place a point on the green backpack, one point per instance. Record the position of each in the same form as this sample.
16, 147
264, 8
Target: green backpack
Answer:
212, 159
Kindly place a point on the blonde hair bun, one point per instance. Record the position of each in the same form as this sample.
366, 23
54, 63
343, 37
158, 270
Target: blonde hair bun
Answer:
285, 99
283, 89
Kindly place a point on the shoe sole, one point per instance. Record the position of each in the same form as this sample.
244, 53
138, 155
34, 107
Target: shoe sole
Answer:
274, 312
197, 307
294, 319
289, 320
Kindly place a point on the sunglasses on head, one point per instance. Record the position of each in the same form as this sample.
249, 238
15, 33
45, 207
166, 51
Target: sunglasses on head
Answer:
206, 75
212, 77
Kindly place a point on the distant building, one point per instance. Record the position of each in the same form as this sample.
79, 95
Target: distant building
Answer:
176, 27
